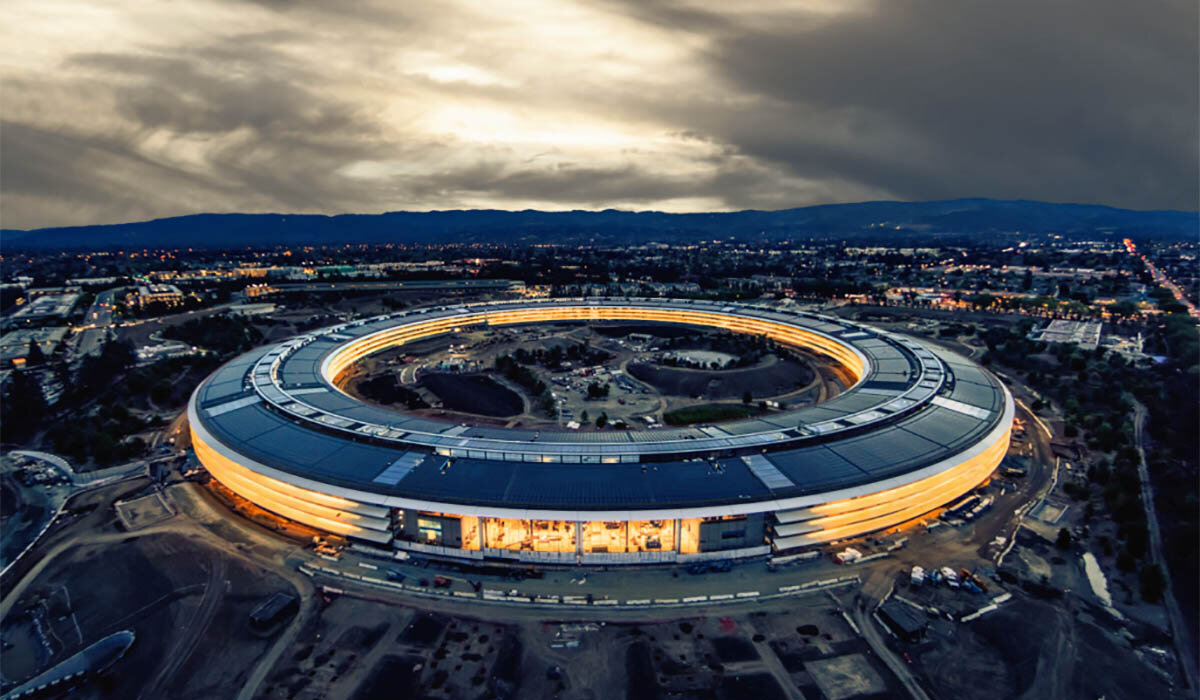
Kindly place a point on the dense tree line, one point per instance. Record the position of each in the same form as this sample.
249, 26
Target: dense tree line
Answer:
225, 335
1098, 392
554, 357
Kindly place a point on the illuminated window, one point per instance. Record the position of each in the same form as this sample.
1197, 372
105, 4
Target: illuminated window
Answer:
430, 530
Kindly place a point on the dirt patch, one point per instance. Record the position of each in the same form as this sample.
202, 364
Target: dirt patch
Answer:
474, 393
20, 520
423, 631
1033, 649
642, 682
771, 379
393, 676
734, 649
361, 639
847, 676
167, 590
761, 686
386, 391
142, 512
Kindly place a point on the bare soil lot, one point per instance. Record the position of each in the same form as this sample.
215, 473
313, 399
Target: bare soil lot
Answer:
362, 650
474, 393
1034, 649
22, 515
773, 378
187, 604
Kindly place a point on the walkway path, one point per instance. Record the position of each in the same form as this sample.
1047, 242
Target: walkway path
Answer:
1178, 629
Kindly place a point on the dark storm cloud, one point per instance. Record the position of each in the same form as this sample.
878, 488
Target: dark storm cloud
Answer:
1082, 101
320, 107
283, 140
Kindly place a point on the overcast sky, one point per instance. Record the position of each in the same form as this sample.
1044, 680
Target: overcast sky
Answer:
125, 110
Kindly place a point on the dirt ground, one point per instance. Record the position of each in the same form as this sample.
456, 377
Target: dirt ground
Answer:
23, 513
474, 393
361, 649
187, 604
1033, 649
772, 377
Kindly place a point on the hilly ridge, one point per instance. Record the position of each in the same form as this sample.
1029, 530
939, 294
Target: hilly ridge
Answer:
861, 221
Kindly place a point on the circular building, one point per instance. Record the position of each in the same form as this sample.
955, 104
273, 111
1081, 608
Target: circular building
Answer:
918, 428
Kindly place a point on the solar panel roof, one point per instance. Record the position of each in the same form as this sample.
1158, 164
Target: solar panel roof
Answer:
505, 467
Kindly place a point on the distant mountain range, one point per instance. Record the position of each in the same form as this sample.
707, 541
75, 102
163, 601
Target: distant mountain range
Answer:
862, 222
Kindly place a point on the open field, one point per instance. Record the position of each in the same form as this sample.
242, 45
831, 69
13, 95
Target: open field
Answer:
23, 513
189, 609
361, 649
473, 393
772, 377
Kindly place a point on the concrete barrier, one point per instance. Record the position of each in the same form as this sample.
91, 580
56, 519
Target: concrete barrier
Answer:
606, 602
747, 594
642, 601
696, 599
790, 589
365, 565
871, 557
722, 596
666, 601
464, 594
980, 612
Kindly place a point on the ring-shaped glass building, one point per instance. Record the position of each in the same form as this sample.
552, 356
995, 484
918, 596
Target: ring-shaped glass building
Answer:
918, 427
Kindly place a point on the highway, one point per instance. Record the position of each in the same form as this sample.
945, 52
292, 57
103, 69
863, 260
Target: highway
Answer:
98, 319
1161, 278
100, 314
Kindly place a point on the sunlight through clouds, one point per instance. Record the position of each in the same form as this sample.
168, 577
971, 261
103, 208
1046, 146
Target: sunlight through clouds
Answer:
127, 110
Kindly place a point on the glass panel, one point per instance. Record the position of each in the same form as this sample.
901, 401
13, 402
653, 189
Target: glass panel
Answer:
604, 537
470, 532
689, 536
553, 536
651, 536
508, 533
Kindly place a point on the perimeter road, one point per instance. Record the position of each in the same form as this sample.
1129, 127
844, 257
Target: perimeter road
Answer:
1174, 614
870, 633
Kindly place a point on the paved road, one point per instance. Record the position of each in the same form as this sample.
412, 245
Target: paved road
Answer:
101, 312
97, 320
866, 625
1161, 278
96, 477
1179, 634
